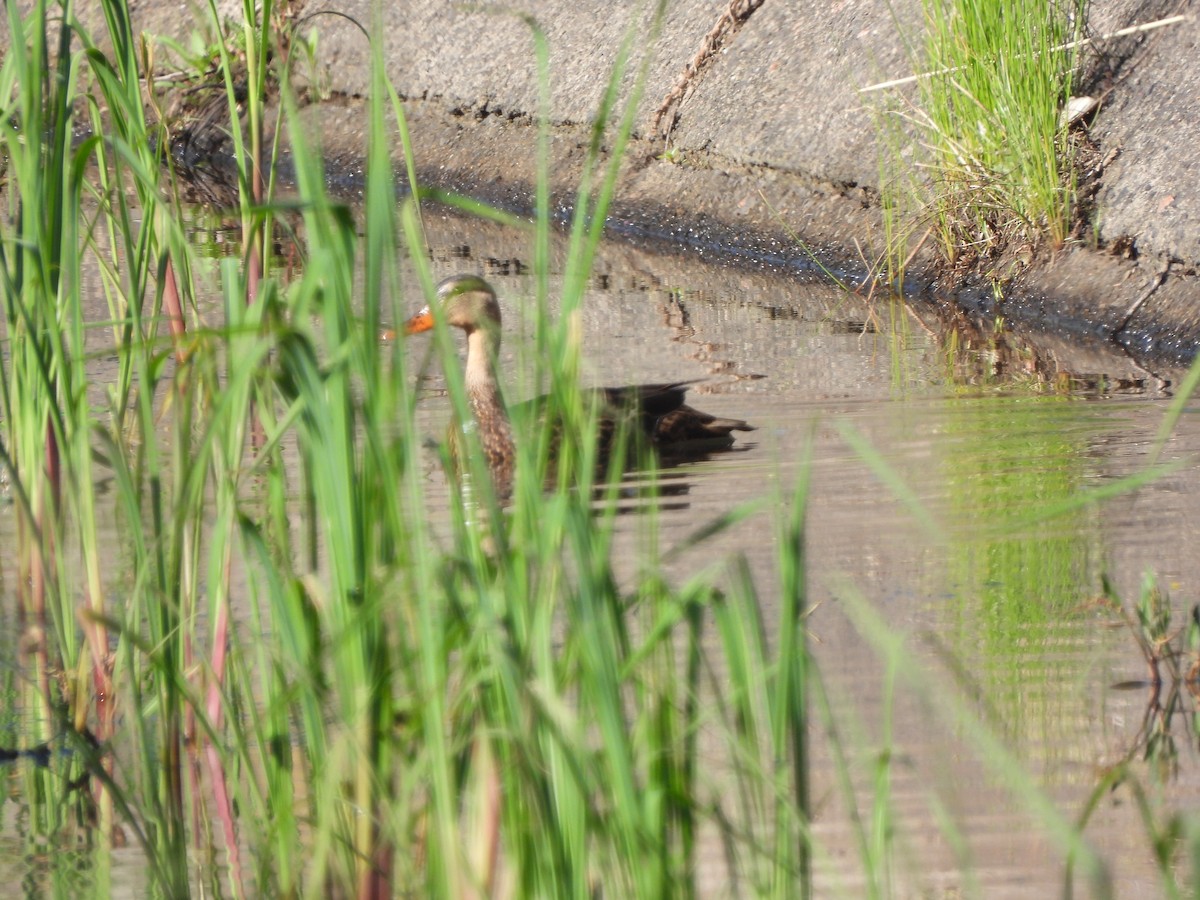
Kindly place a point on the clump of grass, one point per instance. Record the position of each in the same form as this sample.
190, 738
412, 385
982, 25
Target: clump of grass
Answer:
1171, 652
994, 168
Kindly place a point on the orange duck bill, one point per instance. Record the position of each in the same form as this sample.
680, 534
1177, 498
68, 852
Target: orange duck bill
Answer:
422, 321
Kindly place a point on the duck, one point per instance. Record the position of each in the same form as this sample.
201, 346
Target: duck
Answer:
674, 430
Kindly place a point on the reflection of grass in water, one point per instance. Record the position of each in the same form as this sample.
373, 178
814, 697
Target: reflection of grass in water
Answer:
1007, 478
1021, 587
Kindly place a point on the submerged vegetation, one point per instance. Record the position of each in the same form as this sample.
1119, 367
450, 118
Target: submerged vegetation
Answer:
292, 681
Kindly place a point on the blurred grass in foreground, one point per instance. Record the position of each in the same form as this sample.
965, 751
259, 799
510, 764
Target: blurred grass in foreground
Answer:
289, 683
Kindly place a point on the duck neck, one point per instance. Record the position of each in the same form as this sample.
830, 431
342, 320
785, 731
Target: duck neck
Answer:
482, 346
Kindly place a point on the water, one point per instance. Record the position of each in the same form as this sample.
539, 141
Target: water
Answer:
932, 484
947, 539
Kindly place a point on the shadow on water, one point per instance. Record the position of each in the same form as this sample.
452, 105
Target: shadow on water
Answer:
965, 532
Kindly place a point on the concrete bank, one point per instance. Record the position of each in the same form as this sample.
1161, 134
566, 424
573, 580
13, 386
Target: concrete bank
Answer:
770, 139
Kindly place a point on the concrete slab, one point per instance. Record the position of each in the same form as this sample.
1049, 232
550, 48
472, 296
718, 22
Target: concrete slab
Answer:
1151, 118
769, 141
480, 58
784, 93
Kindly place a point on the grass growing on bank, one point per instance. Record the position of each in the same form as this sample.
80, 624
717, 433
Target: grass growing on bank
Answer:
294, 682
992, 169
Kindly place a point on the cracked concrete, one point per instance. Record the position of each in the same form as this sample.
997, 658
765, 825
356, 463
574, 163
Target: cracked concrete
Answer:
718, 39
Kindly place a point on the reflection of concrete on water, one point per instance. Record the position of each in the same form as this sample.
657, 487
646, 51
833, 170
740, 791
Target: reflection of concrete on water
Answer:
677, 320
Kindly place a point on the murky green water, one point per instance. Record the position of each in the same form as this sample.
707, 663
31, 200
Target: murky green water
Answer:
960, 529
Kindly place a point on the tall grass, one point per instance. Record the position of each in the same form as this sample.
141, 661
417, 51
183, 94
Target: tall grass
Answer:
994, 163
370, 707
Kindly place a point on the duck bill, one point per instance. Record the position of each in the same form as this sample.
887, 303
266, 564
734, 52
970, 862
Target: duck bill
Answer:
422, 321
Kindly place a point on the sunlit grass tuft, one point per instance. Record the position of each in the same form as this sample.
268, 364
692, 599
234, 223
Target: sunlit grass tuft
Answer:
992, 169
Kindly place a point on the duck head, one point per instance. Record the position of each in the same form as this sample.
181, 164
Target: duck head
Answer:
467, 302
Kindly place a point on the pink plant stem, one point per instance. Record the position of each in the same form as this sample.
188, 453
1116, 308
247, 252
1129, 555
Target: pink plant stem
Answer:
214, 709
174, 308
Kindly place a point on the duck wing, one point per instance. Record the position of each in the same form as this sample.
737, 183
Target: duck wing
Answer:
658, 414
670, 423
645, 403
